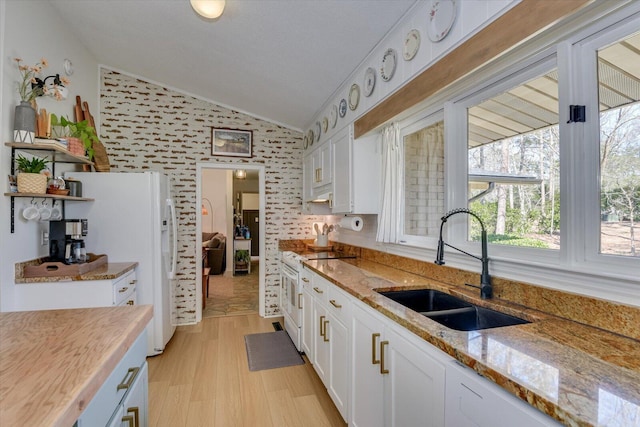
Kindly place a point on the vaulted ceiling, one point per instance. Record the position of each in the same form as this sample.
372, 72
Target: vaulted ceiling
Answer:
275, 59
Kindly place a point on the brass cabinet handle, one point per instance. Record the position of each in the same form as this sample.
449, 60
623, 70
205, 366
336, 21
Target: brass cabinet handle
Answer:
299, 301
121, 290
318, 290
383, 370
129, 420
335, 304
321, 325
305, 280
130, 302
374, 361
136, 415
133, 282
326, 339
127, 384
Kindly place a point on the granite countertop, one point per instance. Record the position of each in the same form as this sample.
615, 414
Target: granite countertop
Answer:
109, 271
577, 374
53, 362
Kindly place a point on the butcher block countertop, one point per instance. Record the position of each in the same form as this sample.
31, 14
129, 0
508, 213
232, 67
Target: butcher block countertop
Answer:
578, 374
109, 271
53, 362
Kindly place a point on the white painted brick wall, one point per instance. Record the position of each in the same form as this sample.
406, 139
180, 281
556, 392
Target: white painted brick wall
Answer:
148, 127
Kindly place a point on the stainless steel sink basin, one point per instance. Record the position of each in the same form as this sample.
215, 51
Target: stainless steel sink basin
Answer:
473, 318
450, 311
425, 300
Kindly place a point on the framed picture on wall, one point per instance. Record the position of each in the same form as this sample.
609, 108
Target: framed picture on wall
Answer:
231, 142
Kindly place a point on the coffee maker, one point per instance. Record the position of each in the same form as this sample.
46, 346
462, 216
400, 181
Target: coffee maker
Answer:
66, 241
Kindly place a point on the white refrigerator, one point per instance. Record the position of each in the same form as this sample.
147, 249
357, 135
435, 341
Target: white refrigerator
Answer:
133, 220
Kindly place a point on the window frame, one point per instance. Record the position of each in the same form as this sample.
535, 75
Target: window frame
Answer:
407, 127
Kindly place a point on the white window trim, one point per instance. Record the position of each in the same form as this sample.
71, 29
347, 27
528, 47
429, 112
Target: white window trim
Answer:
576, 267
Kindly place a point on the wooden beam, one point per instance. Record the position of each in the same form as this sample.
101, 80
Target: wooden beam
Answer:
524, 20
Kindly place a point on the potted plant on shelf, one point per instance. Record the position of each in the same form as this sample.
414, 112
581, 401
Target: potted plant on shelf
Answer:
30, 176
242, 259
80, 135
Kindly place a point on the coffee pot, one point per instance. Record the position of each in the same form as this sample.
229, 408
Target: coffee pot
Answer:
66, 243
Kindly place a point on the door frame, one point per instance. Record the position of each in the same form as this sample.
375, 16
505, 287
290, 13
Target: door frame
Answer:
200, 166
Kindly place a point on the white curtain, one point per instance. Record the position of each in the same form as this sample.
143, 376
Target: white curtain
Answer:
391, 185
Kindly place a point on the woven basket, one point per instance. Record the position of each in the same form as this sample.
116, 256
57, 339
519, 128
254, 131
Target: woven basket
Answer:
75, 146
32, 183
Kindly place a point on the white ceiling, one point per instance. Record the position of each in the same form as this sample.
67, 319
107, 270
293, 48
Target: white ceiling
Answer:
276, 59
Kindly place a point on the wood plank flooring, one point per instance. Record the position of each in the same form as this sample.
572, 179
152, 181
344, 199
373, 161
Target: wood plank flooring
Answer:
202, 379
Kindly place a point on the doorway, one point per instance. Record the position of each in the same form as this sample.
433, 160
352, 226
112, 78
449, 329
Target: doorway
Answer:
219, 209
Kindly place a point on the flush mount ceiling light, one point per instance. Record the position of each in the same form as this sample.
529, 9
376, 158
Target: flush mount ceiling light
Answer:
210, 9
241, 174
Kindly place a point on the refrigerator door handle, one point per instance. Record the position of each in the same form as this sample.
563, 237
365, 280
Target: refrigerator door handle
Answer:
174, 239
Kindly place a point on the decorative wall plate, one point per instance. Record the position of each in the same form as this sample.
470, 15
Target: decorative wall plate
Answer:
325, 124
369, 81
442, 14
311, 137
305, 141
411, 45
343, 107
334, 116
389, 62
318, 131
354, 96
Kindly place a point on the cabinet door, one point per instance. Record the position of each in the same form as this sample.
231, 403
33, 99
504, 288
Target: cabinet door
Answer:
367, 393
135, 404
414, 389
308, 322
338, 386
342, 184
321, 342
322, 166
307, 178
473, 401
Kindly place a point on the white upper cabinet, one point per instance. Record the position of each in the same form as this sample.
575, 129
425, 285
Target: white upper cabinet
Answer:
356, 173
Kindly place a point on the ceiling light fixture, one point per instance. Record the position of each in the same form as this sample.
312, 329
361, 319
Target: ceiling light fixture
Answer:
241, 174
210, 9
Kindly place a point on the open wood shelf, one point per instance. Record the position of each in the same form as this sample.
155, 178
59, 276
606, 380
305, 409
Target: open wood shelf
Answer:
58, 154
49, 196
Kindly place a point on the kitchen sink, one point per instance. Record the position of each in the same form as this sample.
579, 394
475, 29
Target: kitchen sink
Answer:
473, 318
425, 300
451, 311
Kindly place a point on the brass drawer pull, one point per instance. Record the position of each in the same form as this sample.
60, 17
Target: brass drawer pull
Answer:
333, 303
136, 415
318, 290
129, 420
374, 361
125, 384
326, 339
321, 326
133, 282
383, 370
305, 280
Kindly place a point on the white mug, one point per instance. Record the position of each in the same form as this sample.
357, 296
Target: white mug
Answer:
56, 213
45, 213
30, 213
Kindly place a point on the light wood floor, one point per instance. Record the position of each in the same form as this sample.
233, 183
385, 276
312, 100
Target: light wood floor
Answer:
202, 379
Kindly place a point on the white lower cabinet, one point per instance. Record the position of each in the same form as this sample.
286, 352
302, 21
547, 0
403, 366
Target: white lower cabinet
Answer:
122, 400
379, 374
473, 401
325, 338
396, 381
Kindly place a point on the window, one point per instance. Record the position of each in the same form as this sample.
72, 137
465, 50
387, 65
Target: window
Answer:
619, 146
423, 179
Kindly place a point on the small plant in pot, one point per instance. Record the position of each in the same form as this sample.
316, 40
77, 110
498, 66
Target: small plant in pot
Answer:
242, 258
30, 176
84, 134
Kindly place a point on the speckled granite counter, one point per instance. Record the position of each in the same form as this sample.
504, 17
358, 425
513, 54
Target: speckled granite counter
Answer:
578, 374
53, 362
107, 271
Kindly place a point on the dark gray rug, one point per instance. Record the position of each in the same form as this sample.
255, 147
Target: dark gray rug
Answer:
271, 350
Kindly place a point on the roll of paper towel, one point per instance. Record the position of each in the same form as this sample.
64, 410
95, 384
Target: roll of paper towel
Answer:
351, 223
